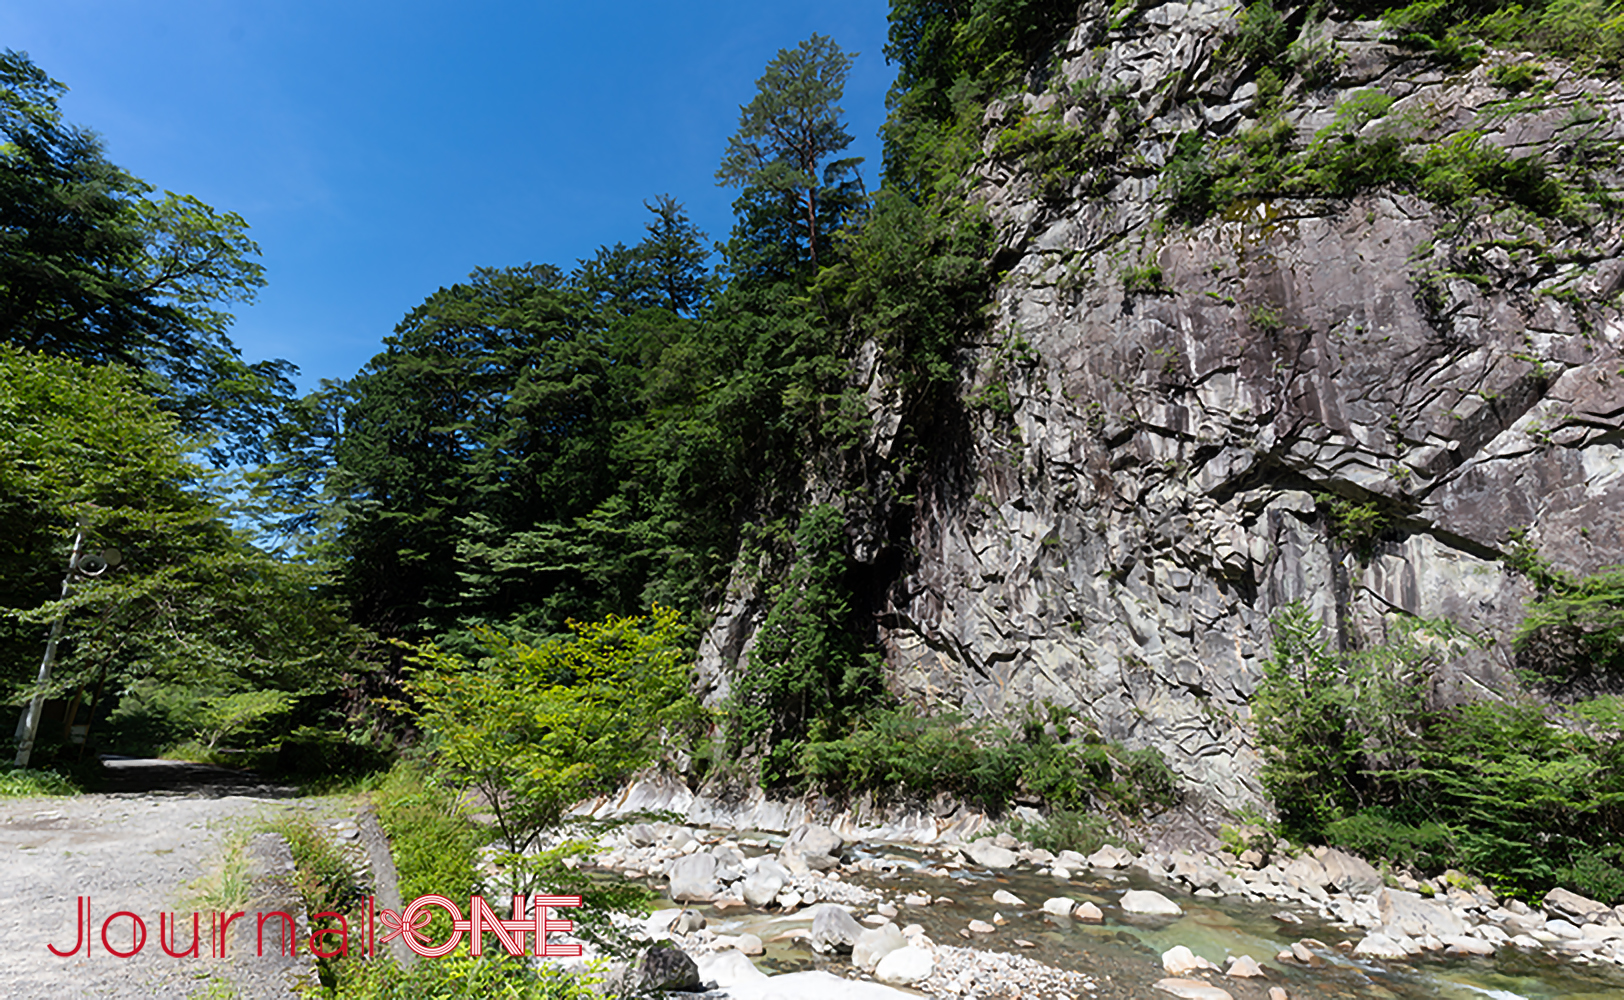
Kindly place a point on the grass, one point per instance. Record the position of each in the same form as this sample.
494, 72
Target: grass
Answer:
26, 783
228, 887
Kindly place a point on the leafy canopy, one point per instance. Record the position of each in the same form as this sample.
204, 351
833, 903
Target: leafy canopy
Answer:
94, 267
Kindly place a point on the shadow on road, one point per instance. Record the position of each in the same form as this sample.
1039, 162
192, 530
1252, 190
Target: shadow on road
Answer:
152, 776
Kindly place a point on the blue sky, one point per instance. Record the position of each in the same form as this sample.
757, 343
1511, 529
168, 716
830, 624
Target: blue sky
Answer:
380, 151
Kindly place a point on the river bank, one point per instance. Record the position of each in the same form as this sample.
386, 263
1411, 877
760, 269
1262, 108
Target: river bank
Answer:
993, 917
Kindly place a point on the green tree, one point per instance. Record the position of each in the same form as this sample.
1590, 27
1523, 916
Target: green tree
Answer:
787, 134
194, 612
536, 728
94, 267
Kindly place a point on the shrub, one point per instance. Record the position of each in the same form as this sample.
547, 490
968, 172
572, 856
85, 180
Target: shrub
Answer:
1523, 795
452, 978
896, 750
1065, 830
535, 729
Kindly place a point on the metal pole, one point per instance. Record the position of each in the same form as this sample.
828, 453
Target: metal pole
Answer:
28, 726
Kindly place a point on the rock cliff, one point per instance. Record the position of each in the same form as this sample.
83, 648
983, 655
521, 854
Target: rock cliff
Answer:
1349, 395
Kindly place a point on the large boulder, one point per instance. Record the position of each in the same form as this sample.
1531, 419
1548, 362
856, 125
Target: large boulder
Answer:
1149, 903
665, 967
728, 968
905, 966
763, 885
1348, 873
989, 855
1560, 902
817, 846
693, 878
1408, 914
1304, 872
834, 928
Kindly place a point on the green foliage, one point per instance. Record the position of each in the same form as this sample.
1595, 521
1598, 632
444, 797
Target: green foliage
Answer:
1510, 791
195, 620
1348, 156
892, 751
808, 664
92, 267
1058, 155
1516, 77
1144, 279
917, 282
434, 844
535, 729
1261, 36
786, 135
22, 783
323, 876
1574, 626
1065, 830
993, 42
1356, 525
495, 974
1589, 32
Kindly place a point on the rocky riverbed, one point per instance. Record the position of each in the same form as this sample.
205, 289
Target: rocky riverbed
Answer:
938, 921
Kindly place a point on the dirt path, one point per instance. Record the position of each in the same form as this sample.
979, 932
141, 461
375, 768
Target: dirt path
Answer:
135, 847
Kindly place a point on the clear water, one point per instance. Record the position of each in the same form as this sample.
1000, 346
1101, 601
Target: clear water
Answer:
1124, 953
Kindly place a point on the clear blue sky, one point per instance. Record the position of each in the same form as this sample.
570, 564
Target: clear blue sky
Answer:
381, 150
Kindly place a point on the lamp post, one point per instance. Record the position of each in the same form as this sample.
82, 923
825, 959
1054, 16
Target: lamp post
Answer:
79, 563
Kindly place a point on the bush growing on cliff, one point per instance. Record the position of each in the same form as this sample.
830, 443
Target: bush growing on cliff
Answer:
895, 750
1527, 796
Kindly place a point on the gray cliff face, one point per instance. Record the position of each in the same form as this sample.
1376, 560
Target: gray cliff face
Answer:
1119, 541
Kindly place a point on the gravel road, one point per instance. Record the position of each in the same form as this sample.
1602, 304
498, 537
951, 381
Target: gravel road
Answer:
135, 847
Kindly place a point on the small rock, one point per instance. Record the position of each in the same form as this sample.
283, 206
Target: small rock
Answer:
1192, 989
1006, 898
1024, 943
689, 921
1088, 913
1276, 993
1380, 946
980, 927
1243, 967
1110, 856
749, 944
1461, 944
1179, 960
1060, 906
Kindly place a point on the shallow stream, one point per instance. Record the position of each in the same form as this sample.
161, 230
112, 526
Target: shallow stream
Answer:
1124, 953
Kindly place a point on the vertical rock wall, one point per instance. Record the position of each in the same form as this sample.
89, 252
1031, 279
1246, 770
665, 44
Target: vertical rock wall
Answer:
1118, 541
